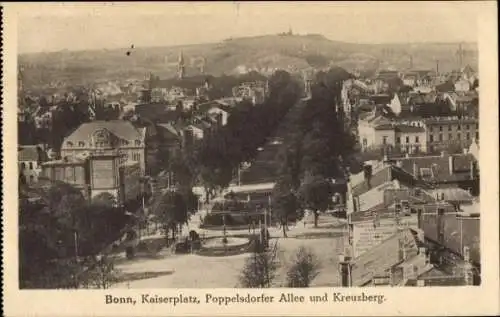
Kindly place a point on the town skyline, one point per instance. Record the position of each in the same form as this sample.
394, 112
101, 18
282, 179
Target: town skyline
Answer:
103, 27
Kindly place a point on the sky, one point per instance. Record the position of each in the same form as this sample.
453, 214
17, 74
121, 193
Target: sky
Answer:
54, 27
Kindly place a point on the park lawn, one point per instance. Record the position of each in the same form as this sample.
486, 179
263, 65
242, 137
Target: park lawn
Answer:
193, 271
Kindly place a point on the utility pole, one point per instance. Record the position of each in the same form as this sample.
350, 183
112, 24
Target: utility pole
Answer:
76, 245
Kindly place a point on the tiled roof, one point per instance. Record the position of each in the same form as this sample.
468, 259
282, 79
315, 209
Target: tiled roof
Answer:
444, 120
409, 129
458, 232
383, 257
27, 153
380, 176
120, 128
206, 106
384, 127
440, 167
436, 277
453, 194
169, 128
382, 205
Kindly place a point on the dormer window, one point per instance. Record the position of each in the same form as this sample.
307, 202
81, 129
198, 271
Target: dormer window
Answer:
124, 142
137, 142
69, 144
81, 144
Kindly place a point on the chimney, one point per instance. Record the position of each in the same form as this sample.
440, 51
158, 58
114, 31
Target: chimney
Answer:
465, 150
399, 164
451, 165
440, 225
472, 170
345, 271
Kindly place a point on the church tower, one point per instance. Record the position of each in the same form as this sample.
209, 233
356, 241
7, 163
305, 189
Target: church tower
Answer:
181, 68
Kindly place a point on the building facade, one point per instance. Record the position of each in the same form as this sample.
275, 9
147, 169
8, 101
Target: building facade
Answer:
29, 160
100, 136
451, 133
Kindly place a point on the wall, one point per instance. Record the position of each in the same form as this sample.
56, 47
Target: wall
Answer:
422, 141
379, 136
30, 170
457, 131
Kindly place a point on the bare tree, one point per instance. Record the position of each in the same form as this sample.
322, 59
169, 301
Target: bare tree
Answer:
260, 268
304, 269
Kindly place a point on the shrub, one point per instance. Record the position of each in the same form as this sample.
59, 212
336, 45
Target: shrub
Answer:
304, 269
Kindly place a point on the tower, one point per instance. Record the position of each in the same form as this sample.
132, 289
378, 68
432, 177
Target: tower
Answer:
460, 55
181, 67
203, 65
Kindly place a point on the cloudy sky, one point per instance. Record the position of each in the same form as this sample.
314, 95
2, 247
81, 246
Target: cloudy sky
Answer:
53, 27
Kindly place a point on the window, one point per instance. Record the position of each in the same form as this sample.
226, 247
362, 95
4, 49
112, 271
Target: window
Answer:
23, 166
467, 127
459, 127
407, 139
124, 142
477, 135
384, 141
417, 139
81, 144
31, 165
449, 128
440, 128
459, 136
440, 137
398, 140
431, 138
450, 136
417, 149
32, 179
467, 136
136, 157
137, 142
69, 144
431, 149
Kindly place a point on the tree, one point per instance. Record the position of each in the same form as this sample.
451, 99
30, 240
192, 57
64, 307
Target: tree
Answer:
285, 203
59, 230
99, 273
316, 193
304, 269
105, 199
171, 212
260, 268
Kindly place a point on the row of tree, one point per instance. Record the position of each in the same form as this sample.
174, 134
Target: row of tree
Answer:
247, 129
312, 151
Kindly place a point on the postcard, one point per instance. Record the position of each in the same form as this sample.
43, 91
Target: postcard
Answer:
250, 158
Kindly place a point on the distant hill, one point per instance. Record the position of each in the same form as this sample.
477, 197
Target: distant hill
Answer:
239, 55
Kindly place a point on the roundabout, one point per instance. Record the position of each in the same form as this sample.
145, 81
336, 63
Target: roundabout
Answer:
217, 246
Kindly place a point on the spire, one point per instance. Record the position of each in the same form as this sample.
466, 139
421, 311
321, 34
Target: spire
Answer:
181, 66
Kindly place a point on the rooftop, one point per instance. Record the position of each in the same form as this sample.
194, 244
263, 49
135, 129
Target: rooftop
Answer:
120, 128
383, 257
28, 153
444, 168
